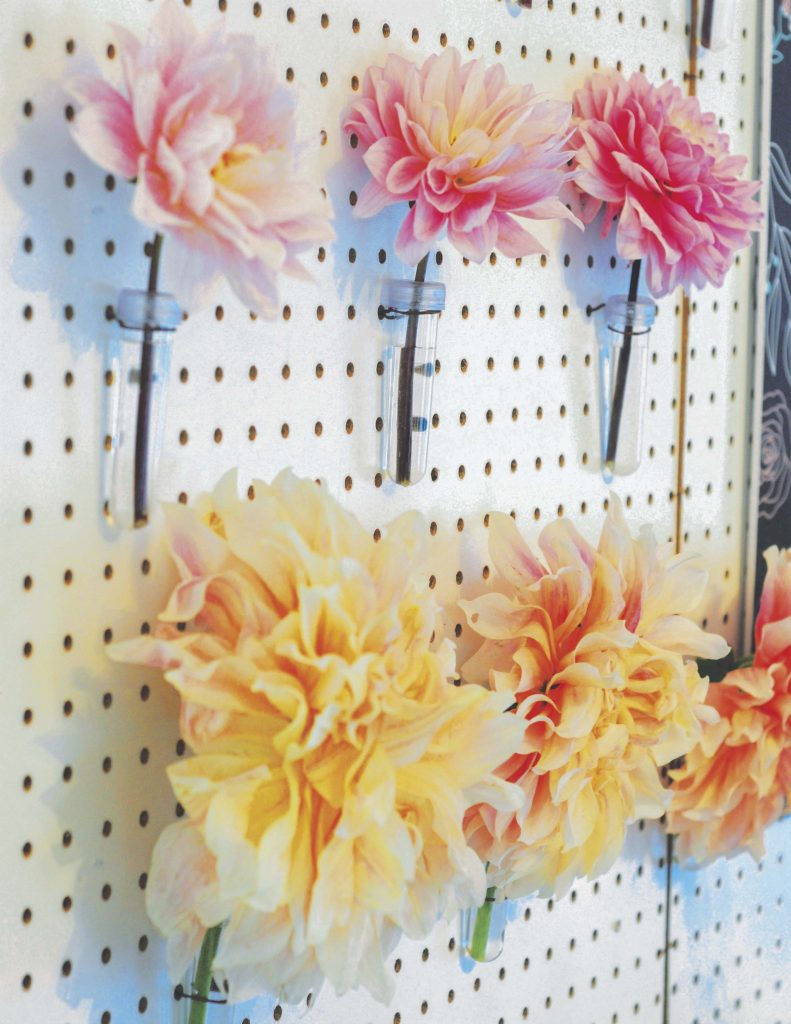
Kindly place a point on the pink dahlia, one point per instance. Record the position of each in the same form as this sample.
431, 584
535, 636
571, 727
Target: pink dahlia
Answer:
473, 153
659, 165
202, 128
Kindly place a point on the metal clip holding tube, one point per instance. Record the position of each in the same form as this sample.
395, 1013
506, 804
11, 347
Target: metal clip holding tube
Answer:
179, 993
390, 313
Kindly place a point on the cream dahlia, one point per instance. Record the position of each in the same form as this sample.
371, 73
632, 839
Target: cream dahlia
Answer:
333, 758
593, 648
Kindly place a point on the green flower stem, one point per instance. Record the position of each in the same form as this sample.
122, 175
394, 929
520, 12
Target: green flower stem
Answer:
483, 920
201, 985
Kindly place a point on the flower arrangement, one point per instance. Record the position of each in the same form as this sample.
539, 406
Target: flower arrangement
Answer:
333, 760
472, 155
654, 162
594, 648
737, 779
342, 787
207, 136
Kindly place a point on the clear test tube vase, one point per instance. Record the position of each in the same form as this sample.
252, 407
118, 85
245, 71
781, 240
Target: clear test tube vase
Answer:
515, 6
414, 308
482, 929
139, 362
623, 333
718, 23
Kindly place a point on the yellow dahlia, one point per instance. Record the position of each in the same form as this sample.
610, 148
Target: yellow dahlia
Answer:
334, 759
592, 647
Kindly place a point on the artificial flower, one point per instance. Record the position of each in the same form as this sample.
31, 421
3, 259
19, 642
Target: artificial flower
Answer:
661, 168
333, 758
737, 780
593, 646
475, 154
201, 127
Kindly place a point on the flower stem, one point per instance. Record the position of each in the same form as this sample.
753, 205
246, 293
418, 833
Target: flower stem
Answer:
707, 23
483, 920
201, 985
406, 384
143, 429
622, 372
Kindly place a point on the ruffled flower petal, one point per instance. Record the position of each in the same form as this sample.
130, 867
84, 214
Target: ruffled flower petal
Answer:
333, 758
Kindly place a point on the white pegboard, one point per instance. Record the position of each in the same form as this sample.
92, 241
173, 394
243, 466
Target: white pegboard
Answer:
732, 927
86, 741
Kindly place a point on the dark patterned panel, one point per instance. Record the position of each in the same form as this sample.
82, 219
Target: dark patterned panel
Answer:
774, 524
